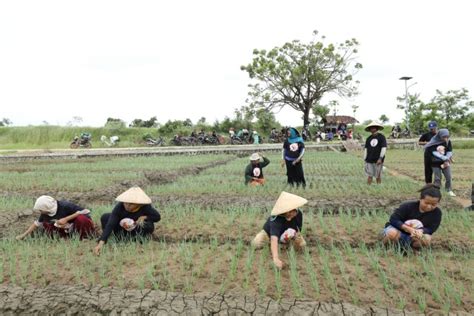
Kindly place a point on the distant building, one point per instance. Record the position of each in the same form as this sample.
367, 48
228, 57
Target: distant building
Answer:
331, 122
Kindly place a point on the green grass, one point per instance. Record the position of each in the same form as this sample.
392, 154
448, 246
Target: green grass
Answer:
208, 220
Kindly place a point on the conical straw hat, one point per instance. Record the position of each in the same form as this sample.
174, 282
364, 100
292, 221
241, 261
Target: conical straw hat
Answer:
134, 195
373, 124
287, 202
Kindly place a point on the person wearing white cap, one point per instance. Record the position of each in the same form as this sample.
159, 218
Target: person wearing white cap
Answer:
133, 216
60, 218
283, 226
253, 171
374, 152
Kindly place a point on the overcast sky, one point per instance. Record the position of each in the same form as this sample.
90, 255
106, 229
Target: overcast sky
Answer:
181, 59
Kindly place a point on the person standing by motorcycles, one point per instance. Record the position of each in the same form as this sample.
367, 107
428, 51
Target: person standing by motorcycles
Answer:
424, 139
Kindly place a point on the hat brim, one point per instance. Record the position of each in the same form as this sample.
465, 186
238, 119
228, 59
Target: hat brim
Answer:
134, 195
379, 127
287, 202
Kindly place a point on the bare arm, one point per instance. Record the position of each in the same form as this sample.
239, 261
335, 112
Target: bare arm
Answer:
30, 229
274, 249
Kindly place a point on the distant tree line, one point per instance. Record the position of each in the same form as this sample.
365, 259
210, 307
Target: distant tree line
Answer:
452, 109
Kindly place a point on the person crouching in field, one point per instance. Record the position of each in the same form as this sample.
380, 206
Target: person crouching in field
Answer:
60, 218
253, 171
374, 152
283, 226
132, 217
413, 223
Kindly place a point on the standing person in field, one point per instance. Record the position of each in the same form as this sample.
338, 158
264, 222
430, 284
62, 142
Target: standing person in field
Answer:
283, 226
60, 219
441, 154
292, 155
254, 172
413, 223
424, 139
132, 217
374, 152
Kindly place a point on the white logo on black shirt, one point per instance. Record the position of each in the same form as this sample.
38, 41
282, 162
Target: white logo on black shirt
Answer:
374, 142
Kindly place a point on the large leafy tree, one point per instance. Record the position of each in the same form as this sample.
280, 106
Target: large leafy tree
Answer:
454, 105
299, 74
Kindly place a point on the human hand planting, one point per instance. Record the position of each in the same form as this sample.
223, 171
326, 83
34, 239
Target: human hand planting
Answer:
98, 248
61, 222
141, 220
278, 263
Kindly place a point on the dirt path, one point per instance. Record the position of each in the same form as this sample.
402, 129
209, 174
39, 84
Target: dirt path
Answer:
395, 173
80, 300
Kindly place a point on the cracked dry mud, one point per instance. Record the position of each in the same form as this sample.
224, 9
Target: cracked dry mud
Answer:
80, 300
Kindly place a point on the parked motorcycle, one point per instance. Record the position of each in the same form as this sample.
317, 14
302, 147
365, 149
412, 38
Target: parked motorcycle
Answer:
151, 141
84, 140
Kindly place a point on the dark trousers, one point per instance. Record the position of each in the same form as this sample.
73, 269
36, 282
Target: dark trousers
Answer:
295, 174
83, 226
146, 230
428, 169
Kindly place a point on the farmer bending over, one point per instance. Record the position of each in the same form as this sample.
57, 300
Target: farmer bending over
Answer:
133, 216
284, 226
60, 218
253, 171
413, 223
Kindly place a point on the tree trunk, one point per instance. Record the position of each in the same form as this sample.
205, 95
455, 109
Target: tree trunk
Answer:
307, 109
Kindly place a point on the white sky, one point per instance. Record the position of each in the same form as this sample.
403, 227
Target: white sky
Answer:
181, 59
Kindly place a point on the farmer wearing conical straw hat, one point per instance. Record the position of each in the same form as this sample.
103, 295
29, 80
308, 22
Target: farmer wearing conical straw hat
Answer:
133, 216
253, 171
60, 218
284, 225
374, 152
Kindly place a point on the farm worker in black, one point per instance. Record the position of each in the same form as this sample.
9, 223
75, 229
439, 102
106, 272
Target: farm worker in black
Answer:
283, 226
441, 151
253, 171
60, 218
292, 155
424, 139
374, 152
414, 222
133, 216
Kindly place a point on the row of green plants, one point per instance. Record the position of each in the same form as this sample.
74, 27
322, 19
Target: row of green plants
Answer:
362, 275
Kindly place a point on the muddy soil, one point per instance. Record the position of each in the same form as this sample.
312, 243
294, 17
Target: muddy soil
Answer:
80, 300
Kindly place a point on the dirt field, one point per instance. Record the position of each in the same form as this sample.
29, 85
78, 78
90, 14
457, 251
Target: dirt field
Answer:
200, 261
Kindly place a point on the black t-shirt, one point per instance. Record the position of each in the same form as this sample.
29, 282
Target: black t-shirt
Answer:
374, 145
426, 137
411, 210
435, 161
276, 225
65, 208
292, 151
119, 213
255, 171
